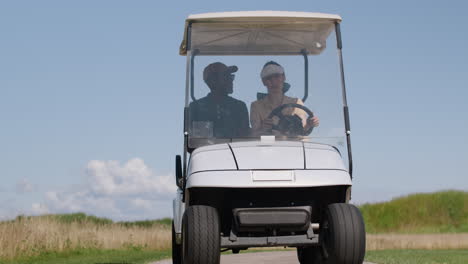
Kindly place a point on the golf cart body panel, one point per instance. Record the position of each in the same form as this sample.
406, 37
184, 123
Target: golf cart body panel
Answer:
268, 156
268, 179
178, 208
256, 155
212, 158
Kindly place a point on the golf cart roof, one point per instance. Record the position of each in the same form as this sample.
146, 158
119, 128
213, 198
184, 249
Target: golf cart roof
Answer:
258, 33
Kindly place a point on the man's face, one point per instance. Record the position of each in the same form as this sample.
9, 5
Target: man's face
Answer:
274, 82
223, 82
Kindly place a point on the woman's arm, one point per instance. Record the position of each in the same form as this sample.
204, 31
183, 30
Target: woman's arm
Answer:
306, 122
259, 125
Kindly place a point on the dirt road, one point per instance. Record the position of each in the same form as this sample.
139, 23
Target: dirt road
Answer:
279, 257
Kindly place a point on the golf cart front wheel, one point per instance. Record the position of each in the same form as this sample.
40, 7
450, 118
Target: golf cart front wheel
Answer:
201, 235
309, 255
344, 234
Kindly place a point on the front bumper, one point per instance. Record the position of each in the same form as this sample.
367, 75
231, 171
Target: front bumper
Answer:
289, 219
272, 241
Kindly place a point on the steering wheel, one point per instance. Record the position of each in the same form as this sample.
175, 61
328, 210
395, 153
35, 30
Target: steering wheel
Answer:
291, 125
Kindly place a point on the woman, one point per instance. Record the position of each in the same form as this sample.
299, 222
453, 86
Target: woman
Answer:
273, 78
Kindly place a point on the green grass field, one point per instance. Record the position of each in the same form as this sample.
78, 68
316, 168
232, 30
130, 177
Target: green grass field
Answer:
142, 257
418, 256
440, 212
127, 256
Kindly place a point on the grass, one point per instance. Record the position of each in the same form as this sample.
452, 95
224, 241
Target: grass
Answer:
167, 222
32, 236
135, 256
417, 241
440, 212
84, 218
418, 256
95, 256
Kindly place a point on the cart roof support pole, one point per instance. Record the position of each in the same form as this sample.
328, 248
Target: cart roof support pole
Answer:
345, 103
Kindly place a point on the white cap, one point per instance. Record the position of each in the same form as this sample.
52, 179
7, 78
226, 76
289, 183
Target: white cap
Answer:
271, 69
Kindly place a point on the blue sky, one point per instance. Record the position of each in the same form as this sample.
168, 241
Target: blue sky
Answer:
92, 90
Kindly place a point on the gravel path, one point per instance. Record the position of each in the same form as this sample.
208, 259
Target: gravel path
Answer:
279, 257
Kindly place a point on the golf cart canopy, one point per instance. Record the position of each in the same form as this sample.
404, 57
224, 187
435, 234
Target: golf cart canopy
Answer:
257, 33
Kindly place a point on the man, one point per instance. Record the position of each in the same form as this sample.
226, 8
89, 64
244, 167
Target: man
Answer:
225, 116
273, 78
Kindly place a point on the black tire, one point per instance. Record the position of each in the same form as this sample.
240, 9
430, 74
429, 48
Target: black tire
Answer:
309, 255
201, 235
176, 249
344, 234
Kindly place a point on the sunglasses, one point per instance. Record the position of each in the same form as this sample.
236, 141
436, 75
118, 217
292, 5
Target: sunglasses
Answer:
224, 76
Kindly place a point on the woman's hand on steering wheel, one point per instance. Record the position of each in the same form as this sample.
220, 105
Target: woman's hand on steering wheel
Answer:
267, 124
287, 124
312, 121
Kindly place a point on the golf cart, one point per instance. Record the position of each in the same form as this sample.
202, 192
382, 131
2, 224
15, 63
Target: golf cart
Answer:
285, 187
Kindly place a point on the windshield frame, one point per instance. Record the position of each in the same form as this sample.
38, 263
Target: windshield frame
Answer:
189, 92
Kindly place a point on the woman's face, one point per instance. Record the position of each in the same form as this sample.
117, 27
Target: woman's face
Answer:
274, 83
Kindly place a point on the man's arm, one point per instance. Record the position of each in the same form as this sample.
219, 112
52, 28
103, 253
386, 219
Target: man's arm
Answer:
193, 111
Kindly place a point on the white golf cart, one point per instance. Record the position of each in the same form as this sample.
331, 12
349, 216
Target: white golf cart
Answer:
288, 186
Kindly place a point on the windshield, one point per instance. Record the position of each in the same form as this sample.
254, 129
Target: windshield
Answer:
294, 94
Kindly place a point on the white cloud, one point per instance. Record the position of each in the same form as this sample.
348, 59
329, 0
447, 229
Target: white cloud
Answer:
24, 186
141, 203
128, 191
39, 209
119, 191
132, 178
116, 208
80, 201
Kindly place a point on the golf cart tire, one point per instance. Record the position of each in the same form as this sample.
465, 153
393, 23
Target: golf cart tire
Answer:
345, 238
309, 255
201, 235
176, 249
